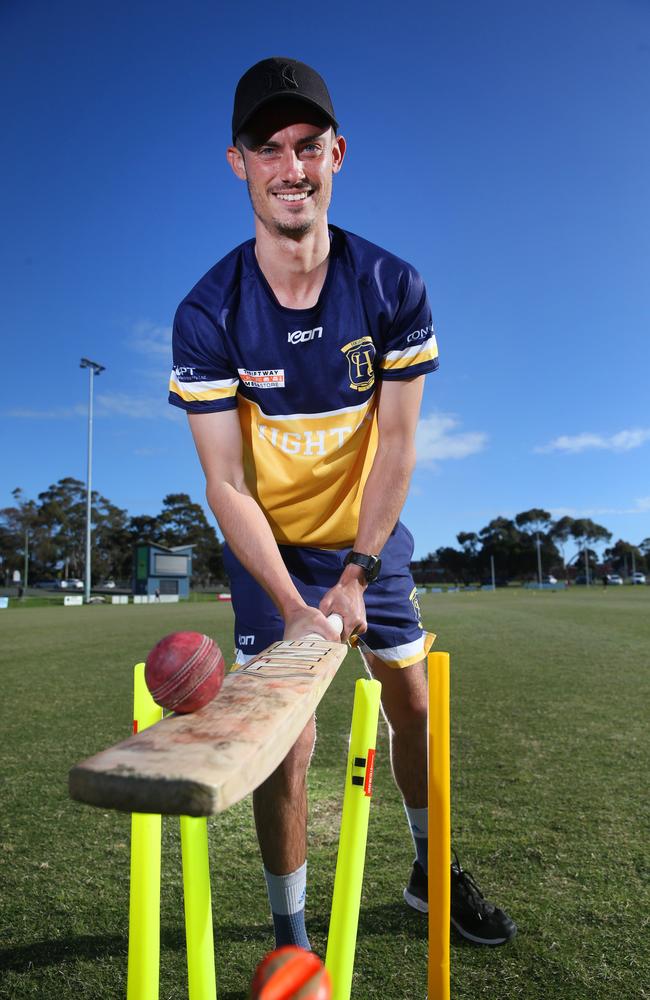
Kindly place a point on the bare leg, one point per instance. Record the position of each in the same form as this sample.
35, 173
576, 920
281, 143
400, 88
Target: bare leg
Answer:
280, 808
404, 704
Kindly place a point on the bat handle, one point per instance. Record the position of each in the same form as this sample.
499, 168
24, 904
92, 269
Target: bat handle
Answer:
334, 620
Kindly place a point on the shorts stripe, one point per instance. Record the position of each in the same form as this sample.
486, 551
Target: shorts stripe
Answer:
404, 655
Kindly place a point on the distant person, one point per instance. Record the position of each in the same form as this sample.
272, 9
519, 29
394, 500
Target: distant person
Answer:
300, 359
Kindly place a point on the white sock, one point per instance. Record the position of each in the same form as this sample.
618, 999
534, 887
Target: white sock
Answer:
419, 824
287, 898
287, 892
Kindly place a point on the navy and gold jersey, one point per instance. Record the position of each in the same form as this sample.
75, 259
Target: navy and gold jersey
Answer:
304, 380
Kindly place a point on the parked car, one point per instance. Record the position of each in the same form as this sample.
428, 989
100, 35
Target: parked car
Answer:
549, 579
46, 584
72, 583
615, 579
637, 577
582, 580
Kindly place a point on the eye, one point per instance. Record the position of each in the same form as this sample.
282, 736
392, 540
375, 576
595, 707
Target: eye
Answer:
312, 149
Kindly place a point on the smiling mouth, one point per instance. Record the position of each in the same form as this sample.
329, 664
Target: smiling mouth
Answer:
292, 196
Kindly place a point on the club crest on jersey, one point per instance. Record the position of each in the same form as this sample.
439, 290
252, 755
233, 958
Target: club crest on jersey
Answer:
360, 354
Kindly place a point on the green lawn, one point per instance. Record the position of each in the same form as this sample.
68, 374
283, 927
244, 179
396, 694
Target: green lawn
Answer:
550, 776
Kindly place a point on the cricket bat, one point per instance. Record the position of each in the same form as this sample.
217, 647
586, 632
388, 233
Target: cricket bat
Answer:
201, 763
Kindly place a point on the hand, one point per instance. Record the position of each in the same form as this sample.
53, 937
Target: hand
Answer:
309, 621
346, 599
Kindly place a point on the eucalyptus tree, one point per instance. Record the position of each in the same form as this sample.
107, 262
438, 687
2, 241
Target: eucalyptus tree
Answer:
535, 523
502, 540
587, 534
561, 531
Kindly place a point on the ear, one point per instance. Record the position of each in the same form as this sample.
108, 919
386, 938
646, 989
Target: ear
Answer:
339, 146
236, 161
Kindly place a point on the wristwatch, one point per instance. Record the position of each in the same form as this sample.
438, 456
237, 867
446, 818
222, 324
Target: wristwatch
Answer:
370, 565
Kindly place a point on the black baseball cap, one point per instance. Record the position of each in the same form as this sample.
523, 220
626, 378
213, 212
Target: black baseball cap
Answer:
279, 78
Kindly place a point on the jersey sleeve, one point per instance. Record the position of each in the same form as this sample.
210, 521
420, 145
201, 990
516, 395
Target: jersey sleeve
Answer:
203, 379
410, 346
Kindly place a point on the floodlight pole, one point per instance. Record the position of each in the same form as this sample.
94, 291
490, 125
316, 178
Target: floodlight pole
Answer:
93, 369
26, 562
539, 559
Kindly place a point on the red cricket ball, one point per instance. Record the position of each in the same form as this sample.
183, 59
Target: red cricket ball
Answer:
184, 671
291, 973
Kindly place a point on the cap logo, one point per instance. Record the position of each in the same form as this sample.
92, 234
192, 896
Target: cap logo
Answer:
284, 80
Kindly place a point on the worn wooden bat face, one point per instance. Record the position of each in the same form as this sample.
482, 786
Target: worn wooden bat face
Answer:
202, 763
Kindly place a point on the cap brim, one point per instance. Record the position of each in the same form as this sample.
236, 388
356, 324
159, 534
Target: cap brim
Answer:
277, 98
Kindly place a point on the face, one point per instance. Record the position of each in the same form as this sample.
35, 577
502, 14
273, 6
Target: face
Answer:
288, 164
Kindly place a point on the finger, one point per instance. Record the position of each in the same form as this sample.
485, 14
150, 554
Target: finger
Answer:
335, 621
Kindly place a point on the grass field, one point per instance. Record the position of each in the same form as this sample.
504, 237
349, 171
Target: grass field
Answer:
550, 800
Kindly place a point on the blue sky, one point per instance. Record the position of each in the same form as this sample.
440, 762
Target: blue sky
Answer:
502, 148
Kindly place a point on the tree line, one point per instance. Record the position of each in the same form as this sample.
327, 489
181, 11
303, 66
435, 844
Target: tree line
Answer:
513, 544
52, 529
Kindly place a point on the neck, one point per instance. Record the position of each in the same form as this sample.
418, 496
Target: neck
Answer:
294, 268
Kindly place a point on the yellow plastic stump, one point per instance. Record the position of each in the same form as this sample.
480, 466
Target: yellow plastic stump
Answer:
198, 909
439, 826
144, 907
144, 910
344, 919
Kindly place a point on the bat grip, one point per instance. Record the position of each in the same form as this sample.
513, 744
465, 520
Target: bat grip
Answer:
334, 620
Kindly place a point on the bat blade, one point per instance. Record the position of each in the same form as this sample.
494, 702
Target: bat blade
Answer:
202, 763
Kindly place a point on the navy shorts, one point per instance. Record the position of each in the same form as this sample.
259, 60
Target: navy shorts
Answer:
395, 632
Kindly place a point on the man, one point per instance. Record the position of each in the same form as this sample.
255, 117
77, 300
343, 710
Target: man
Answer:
300, 359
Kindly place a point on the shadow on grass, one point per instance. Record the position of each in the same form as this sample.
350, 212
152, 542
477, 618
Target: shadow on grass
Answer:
389, 918
392, 919
56, 951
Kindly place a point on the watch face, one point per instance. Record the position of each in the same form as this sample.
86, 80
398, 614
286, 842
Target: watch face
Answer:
373, 570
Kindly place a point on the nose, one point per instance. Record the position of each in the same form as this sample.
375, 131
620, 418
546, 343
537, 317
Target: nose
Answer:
291, 169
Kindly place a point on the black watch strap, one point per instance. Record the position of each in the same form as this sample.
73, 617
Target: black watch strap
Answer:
370, 565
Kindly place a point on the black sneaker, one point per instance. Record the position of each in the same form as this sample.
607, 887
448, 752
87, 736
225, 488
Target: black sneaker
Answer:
416, 893
472, 916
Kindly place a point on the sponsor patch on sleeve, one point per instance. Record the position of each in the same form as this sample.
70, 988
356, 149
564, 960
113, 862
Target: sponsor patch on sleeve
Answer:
268, 378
